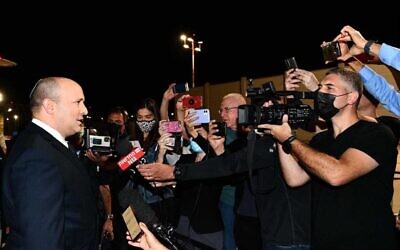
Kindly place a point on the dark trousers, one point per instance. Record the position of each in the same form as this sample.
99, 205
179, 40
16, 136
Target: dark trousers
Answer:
247, 233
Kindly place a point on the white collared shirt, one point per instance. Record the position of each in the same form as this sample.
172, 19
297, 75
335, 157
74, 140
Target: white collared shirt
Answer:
51, 131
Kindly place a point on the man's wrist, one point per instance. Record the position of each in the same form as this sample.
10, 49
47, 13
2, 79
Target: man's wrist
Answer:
286, 145
177, 172
367, 46
110, 216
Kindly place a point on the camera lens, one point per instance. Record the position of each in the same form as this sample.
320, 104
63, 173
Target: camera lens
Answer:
191, 101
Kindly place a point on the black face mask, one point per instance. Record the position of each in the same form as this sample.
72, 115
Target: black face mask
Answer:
324, 105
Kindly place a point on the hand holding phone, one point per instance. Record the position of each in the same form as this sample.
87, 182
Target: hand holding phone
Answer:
203, 115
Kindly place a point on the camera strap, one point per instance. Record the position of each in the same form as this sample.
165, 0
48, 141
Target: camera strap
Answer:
251, 141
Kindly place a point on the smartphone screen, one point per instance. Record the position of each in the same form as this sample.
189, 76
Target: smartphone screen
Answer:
181, 87
290, 63
131, 223
331, 51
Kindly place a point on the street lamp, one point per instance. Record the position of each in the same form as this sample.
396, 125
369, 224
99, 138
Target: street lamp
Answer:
191, 43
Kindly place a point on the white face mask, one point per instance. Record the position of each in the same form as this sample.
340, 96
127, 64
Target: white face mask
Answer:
146, 126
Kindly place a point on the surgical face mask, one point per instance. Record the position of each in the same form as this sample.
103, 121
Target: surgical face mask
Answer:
146, 126
325, 107
195, 147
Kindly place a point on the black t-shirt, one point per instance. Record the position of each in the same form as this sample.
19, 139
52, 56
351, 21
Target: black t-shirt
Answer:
393, 123
356, 215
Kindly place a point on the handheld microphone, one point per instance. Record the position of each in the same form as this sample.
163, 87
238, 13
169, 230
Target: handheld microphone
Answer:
130, 158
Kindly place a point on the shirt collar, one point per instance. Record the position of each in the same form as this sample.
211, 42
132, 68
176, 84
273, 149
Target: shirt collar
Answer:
51, 131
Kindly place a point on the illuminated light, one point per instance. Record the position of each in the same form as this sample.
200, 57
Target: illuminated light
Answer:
195, 46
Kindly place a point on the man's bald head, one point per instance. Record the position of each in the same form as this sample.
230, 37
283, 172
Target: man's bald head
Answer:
48, 87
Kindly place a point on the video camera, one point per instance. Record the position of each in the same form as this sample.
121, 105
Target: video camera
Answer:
300, 115
105, 143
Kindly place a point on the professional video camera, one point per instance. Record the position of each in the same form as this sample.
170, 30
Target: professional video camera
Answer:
104, 141
300, 115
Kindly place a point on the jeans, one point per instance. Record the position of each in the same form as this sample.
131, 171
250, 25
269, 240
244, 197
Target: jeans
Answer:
228, 218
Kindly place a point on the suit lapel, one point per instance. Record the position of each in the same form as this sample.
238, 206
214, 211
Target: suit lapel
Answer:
75, 162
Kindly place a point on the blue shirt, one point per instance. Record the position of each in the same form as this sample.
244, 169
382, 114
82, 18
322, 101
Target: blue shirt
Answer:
377, 85
390, 56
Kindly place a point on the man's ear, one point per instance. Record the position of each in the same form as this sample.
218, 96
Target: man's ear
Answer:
49, 105
352, 97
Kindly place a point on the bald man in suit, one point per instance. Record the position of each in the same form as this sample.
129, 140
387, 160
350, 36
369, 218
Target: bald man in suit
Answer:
48, 199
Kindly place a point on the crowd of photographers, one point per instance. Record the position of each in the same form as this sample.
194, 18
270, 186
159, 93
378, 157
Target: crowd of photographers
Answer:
349, 166
247, 182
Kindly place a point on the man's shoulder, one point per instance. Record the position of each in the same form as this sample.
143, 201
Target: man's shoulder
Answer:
371, 127
393, 123
322, 134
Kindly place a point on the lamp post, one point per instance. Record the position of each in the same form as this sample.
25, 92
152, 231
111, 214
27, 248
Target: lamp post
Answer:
195, 46
1, 114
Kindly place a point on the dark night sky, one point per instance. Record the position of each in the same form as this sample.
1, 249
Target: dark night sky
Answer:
118, 47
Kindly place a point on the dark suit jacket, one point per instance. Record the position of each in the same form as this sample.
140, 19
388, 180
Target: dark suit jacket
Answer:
48, 199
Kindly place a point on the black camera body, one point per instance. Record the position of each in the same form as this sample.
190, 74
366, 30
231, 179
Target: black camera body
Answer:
300, 115
266, 92
103, 143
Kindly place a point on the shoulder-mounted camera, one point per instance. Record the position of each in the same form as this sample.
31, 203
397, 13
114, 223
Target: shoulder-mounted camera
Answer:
300, 115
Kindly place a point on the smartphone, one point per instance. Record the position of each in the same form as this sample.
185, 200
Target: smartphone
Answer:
176, 142
171, 126
181, 88
131, 223
221, 126
193, 102
203, 115
331, 51
290, 63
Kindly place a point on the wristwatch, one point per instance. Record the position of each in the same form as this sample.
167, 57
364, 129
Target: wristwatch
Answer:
287, 148
367, 47
110, 216
177, 172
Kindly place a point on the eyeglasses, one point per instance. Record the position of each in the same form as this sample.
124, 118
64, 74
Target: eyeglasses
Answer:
226, 109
